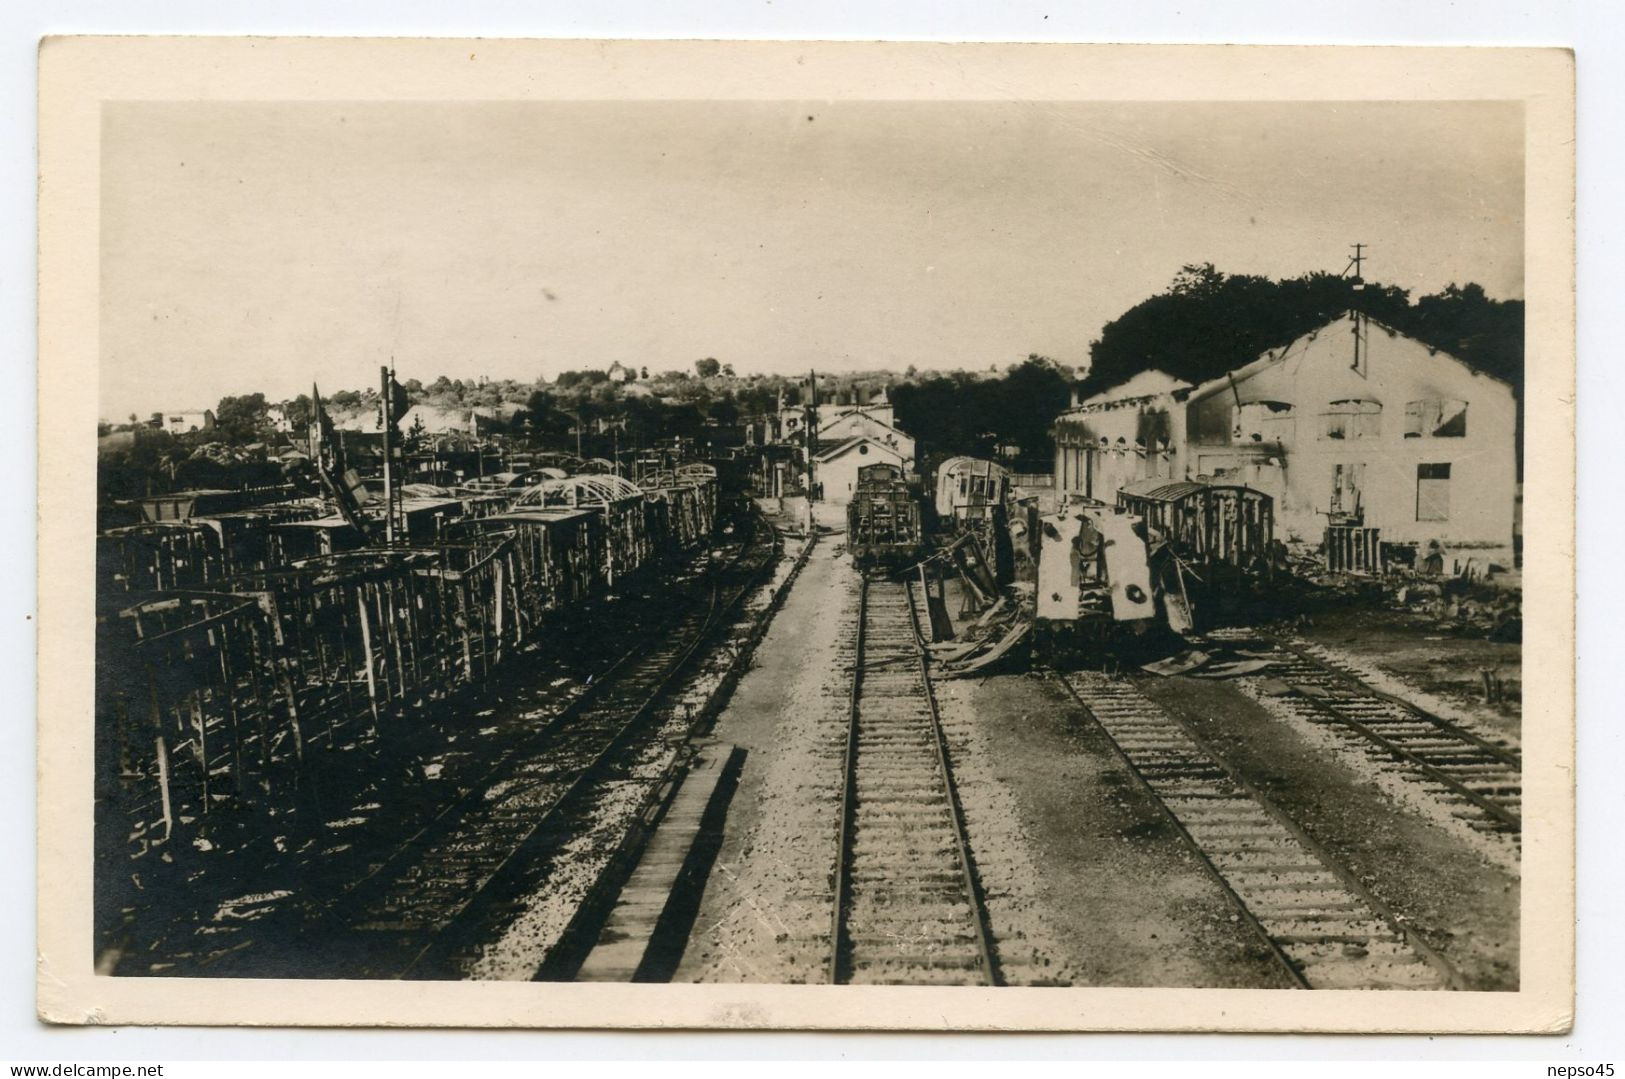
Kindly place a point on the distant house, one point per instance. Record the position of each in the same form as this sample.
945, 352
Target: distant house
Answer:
1352, 424
183, 423
436, 419
277, 417
619, 372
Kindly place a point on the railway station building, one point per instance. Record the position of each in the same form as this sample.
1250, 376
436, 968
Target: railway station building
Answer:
1353, 425
835, 469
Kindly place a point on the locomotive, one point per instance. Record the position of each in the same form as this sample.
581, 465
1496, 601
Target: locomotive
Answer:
884, 527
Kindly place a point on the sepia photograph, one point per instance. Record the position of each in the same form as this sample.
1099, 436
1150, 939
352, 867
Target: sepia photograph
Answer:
997, 541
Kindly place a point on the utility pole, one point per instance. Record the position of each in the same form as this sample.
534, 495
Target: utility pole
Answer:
810, 427
1356, 261
811, 430
385, 410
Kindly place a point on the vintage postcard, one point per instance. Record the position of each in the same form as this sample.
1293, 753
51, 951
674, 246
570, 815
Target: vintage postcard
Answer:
810, 535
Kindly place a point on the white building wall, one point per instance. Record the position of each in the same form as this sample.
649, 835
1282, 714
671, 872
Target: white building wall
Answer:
1121, 442
861, 424
839, 474
1301, 471
1294, 460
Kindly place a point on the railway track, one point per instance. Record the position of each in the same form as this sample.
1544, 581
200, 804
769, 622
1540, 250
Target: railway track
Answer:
412, 905
908, 908
1320, 922
1481, 780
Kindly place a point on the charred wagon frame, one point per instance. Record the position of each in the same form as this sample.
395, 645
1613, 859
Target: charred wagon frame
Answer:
218, 667
1207, 544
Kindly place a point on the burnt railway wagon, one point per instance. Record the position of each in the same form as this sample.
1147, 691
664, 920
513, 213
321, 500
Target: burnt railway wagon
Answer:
1210, 546
883, 520
231, 661
1171, 555
971, 496
682, 502
1205, 524
195, 552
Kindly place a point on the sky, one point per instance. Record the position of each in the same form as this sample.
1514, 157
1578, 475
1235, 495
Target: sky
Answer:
257, 247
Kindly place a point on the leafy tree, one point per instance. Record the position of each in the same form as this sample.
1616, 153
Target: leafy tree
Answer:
1023, 405
707, 368
417, 434
724, 411
298, 411
571, 379
240, 419
544, 415
1208, 322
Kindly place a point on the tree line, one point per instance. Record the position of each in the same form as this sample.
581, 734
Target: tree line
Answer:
1203, 324
1207, 322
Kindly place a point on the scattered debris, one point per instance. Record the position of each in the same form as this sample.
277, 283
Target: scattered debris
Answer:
1179, 663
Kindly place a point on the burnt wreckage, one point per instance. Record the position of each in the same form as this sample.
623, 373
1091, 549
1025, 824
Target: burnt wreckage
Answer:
239, 632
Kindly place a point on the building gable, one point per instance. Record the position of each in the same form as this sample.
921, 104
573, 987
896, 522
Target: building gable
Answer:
859, 446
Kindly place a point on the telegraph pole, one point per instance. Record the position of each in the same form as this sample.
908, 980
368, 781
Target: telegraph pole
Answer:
1356, 261
385, 408
811, 430
810, 427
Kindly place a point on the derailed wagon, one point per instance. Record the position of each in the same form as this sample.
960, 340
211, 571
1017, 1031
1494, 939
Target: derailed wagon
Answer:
1171, 556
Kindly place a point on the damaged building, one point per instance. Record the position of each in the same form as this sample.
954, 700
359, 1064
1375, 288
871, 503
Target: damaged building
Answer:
1365, 438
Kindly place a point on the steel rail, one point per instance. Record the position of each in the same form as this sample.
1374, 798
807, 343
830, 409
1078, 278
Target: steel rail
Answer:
967, 863
668, 673
1471, 743
849, 789
358, 892
1270, 943
973, 894
1349, 879
1509, 757
1485, 803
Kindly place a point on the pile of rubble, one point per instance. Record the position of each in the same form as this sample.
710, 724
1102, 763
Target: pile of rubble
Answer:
1465, 605
997, 633
1471, 600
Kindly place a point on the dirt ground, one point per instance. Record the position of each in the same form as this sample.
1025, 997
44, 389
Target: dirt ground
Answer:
1129, 900
1422, 656
1462, 905
1112, 888
751, 924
